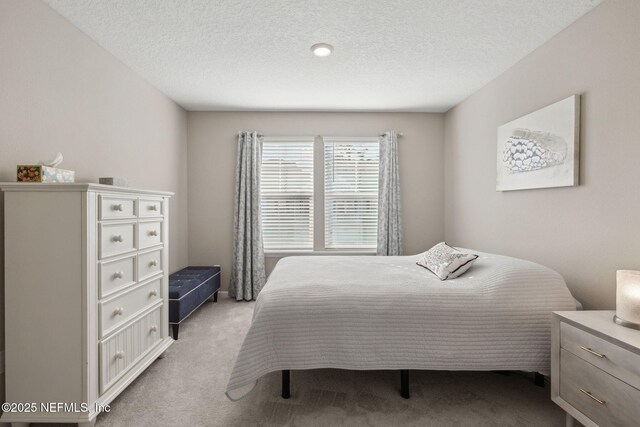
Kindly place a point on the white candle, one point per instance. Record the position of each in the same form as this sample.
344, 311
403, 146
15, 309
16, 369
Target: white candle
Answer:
628, 296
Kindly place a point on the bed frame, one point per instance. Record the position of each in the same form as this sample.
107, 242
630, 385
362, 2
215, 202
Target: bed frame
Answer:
404, 382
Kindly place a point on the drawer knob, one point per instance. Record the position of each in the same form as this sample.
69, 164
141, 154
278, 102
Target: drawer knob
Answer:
119, 355
588, 393
153, 263
117, 207
154, 328
118, 275
595, 353
118, 311
153, 293
153, 207
153, 233
118, 238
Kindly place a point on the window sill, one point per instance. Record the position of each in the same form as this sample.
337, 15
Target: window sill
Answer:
281, 254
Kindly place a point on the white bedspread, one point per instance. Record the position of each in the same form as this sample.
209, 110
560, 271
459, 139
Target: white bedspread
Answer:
366, 312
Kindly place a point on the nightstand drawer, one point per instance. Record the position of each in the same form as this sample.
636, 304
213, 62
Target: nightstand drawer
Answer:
607, 356
601, 397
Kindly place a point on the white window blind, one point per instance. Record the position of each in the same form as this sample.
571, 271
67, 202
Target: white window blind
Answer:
351, 167
286, 186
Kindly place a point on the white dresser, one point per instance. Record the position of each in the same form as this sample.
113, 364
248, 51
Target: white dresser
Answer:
595, 369
85, 296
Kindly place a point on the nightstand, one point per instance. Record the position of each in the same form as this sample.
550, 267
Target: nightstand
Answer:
595, 369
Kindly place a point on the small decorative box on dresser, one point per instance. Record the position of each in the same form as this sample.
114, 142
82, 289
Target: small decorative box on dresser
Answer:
85, 296
595, 369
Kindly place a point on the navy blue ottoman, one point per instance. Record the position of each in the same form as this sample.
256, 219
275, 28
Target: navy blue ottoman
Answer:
189, 288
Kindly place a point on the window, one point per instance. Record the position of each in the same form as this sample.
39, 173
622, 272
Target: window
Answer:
351, 192
346, 212
286, 186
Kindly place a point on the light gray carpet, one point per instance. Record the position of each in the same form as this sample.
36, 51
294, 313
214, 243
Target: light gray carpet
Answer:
186, 388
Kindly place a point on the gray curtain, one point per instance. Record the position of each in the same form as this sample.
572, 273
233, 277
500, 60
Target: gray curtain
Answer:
247, 270
389, 218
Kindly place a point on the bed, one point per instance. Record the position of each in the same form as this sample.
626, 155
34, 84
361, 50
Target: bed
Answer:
375, 313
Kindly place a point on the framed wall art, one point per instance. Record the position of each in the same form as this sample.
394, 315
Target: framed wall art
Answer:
541, 149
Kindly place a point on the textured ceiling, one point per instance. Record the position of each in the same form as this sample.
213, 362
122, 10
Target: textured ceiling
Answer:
390, 55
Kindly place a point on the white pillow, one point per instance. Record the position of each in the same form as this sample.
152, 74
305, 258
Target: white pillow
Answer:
446, 262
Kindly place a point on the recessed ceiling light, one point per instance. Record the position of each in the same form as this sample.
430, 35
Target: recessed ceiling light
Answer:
322, 49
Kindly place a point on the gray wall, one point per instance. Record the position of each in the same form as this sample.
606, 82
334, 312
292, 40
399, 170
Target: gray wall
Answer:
586, 232
212, 156
60, 91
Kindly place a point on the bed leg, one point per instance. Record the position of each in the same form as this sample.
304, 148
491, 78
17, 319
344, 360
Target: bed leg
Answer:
404, 383
539, 379
286, 384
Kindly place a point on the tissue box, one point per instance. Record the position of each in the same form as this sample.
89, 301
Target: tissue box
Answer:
40, 173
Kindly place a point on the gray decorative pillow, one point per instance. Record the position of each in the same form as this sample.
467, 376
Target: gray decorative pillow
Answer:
446, 262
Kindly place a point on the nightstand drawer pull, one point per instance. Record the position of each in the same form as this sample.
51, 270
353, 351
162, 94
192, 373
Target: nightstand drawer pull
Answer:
588, 393
595, 353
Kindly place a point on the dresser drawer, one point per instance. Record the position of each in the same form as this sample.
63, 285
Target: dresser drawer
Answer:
149, 264
149, 234
617, 361
150, 208
118, 309
116, 207
124, 349
603, 398
116, 239
116, 275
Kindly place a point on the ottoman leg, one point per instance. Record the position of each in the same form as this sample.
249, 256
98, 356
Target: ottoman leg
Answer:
175, 327
215, 297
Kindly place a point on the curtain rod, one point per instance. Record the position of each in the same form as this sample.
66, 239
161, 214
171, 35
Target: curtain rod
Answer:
259, 135
400, 134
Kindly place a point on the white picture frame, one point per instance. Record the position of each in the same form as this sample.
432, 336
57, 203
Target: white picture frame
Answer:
540, 149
